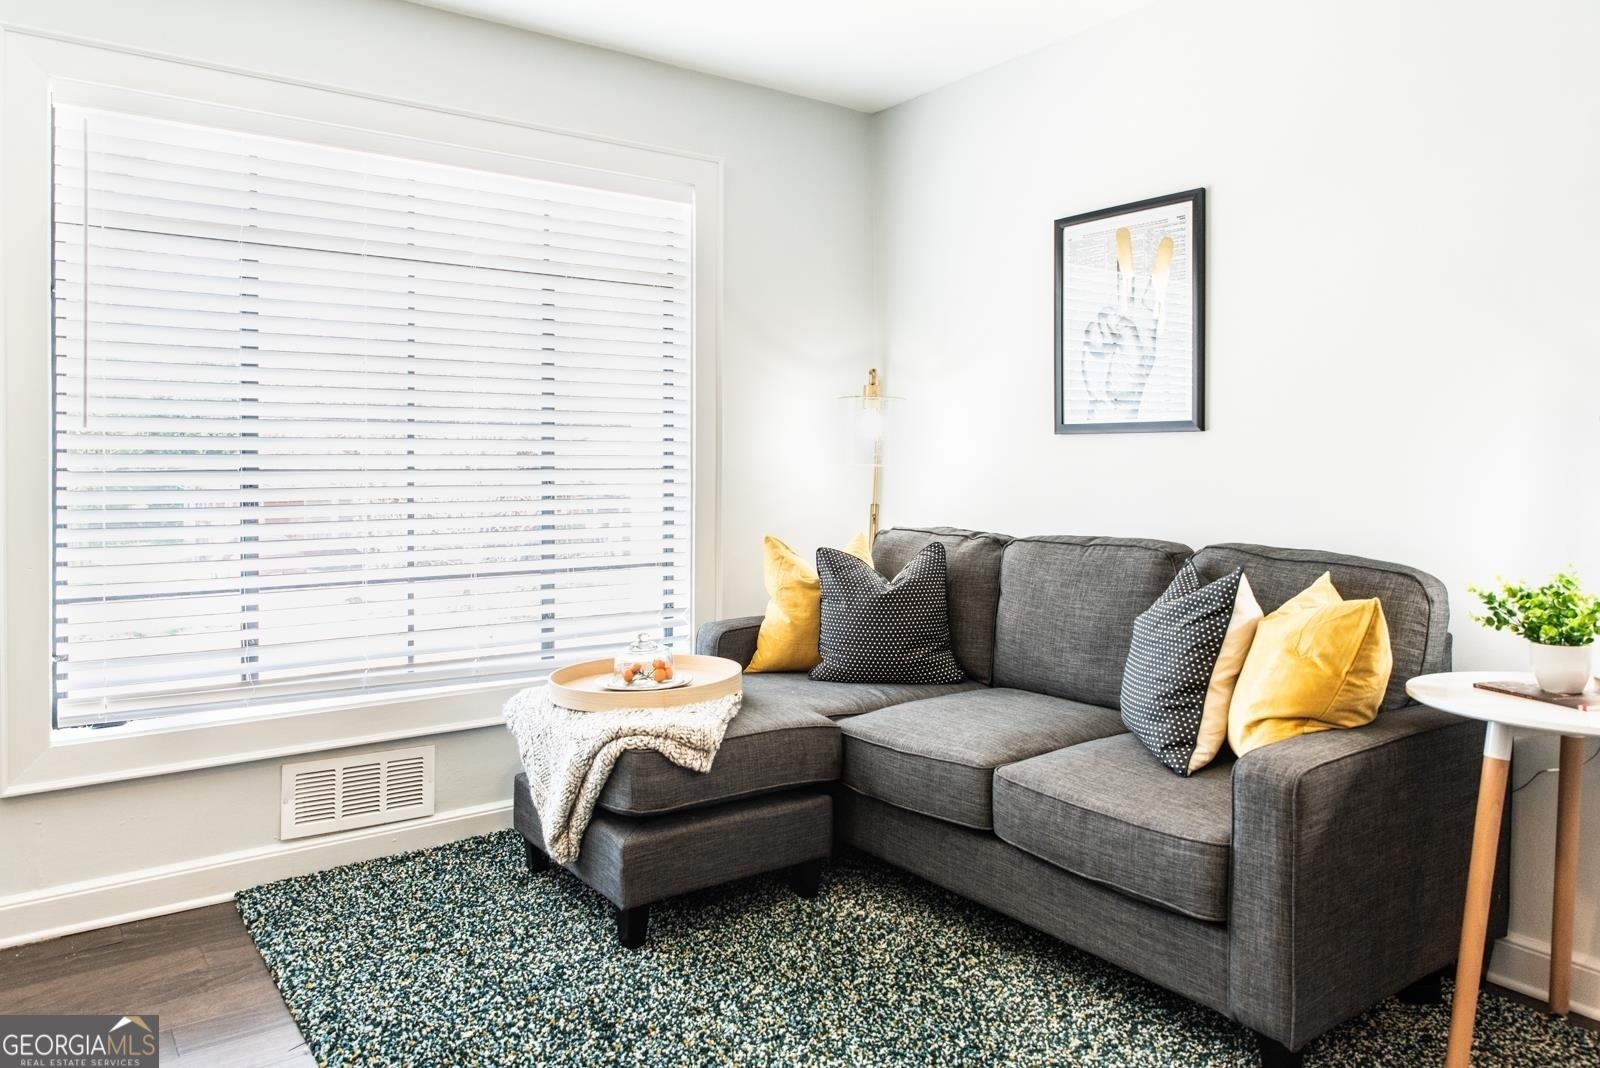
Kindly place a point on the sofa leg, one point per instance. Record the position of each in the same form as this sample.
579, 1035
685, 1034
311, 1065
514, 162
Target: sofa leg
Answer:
1275, 1054
537, 861
805, 877
1429, 990
631, 926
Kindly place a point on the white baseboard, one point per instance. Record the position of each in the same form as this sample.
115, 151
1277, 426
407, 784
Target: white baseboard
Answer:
61, 910
1523, 965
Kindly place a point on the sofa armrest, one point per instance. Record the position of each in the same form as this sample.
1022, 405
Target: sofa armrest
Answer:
1350, 854
733, 638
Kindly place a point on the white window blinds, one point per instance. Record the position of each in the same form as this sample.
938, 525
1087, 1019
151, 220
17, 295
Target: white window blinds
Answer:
329, 422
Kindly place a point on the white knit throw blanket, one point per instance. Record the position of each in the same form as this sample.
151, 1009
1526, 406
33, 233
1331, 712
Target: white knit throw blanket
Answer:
569, 754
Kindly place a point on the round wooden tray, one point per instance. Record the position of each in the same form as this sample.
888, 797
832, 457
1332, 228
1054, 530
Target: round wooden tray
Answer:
579, 685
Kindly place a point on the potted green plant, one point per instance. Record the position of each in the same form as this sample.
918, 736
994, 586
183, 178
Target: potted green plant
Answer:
1558, 619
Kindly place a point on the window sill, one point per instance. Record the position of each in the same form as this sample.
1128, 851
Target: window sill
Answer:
67, 759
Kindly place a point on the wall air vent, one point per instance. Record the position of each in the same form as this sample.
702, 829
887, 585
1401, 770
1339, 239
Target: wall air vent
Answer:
362, 790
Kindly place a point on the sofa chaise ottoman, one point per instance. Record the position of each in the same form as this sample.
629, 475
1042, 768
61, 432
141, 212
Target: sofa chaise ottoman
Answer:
660, 830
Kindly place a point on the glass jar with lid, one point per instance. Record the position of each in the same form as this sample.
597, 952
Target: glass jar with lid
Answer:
645, 662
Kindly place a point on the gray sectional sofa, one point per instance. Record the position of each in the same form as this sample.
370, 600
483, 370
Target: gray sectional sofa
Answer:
1289, 890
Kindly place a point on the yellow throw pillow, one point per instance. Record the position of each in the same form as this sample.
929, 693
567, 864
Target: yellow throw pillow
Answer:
1317, 663
790, 632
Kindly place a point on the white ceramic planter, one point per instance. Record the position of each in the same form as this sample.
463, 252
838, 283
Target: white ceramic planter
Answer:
1561, 668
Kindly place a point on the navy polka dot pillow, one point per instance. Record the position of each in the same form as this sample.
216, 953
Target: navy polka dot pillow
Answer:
1184, 660
885, 630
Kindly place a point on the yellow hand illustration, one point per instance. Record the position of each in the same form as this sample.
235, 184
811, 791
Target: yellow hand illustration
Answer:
1119, 345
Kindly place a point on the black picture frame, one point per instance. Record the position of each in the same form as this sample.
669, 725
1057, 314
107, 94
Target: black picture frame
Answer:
1129, 347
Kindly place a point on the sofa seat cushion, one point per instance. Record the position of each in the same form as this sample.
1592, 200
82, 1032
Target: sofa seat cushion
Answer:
769, 746
938, 756
1105, 811
835, 699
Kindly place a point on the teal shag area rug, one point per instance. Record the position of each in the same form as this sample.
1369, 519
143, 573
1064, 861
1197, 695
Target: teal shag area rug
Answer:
457, 956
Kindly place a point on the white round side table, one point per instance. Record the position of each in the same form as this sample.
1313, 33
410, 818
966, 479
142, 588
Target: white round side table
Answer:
1454, 692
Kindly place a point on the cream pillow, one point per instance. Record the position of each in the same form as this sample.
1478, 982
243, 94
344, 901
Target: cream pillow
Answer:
1225, 676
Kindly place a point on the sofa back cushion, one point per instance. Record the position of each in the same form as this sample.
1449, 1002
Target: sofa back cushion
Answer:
972, 561
1067, 606
1414, 602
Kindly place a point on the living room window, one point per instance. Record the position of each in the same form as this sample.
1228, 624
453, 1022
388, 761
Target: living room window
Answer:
332, 423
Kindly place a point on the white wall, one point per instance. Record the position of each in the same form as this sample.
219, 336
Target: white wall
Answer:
1402, 282
799, 327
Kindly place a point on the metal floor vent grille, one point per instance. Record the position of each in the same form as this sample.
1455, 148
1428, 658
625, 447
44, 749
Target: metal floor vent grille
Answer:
320, 796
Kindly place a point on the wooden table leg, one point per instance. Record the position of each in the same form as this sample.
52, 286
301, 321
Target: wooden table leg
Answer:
1480, 882
1566, 882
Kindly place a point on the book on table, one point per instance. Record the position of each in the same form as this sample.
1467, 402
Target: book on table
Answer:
1583, 702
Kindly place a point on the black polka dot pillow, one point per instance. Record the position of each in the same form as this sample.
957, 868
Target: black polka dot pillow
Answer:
1183, 663
885, 630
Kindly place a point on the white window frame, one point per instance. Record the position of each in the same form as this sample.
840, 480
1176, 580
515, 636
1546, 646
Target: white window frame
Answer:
34, 757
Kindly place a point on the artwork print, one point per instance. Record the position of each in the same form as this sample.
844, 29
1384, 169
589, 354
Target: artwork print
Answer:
1130, 317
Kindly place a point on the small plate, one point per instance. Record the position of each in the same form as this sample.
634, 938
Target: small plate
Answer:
682, 678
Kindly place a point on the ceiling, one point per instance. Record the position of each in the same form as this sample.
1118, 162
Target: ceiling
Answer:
862, 54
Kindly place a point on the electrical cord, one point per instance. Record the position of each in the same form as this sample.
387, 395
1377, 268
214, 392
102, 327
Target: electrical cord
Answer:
1546, 771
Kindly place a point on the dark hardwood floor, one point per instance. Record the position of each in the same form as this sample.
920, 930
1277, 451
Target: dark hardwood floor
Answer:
201, 973
197, 970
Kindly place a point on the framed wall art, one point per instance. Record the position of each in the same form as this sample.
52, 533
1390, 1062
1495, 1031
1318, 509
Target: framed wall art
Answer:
1130, 317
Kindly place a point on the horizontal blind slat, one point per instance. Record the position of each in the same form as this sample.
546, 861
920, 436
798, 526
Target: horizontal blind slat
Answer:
572, 586
285, 266
305, 610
